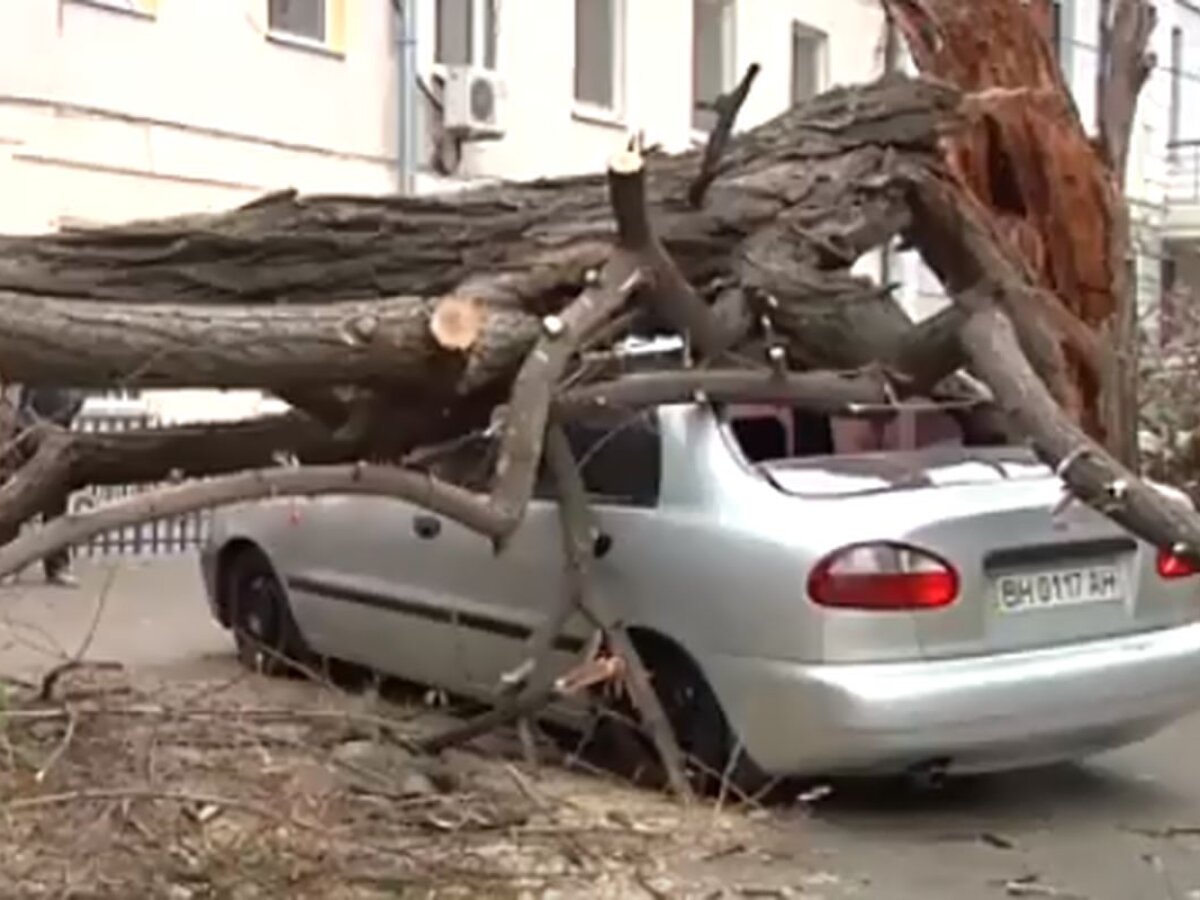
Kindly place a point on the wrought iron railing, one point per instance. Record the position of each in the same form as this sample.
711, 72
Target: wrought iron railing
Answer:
174, 535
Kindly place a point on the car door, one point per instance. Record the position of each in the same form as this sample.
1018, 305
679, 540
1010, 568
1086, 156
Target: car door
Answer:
363, 586
503, 598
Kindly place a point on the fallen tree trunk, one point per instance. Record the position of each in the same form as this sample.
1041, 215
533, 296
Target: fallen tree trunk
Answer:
793, 204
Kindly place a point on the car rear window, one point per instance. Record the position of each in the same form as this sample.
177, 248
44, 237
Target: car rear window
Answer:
769, 432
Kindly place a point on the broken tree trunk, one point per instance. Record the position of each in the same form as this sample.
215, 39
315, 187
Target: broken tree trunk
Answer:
955, 234
1053, 195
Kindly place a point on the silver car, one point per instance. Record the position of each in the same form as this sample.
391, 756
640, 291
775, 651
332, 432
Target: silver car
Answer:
863, 592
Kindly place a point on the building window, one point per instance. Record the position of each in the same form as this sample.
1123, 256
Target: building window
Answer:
465, 33
808, 62
619, 455
598, 54
299, 18
712, 58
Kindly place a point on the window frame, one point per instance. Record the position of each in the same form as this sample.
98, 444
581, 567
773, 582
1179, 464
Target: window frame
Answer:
481, 41
728, 11
612, 423
584, 109
332, 44
802, 31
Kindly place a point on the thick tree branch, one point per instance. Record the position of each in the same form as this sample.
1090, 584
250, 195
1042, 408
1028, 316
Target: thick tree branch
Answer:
818, 391
85, 344
1091, 473
465, 507
946, 225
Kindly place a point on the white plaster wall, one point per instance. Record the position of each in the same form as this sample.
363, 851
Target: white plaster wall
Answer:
546, 135
107, 116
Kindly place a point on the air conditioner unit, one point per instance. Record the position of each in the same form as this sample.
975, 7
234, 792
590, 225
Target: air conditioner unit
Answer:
473, 103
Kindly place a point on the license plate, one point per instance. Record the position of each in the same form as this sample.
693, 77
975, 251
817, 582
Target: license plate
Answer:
1060, 587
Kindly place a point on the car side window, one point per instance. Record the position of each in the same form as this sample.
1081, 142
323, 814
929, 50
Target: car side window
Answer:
620, 457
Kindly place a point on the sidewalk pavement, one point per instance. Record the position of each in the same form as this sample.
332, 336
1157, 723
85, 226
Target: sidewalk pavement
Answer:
147, 613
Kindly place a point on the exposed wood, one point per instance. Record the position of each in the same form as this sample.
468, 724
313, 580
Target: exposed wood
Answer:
589, 672
638, 263
1027, 158
957, 234
456, 322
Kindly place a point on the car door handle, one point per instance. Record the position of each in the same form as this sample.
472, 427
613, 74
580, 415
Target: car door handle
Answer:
427, 527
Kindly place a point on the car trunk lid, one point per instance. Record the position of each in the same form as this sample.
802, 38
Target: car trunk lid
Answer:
1033, 571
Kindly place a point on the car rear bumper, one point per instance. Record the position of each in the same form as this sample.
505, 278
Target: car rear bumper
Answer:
970, 714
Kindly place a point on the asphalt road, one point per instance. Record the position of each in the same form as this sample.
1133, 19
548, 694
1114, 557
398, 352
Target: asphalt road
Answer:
1122, 827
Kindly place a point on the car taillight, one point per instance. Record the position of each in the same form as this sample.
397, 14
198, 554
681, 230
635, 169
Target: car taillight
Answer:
1171, 566
883, 576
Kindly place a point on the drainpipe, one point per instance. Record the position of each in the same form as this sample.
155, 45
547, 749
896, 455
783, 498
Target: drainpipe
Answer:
406, 83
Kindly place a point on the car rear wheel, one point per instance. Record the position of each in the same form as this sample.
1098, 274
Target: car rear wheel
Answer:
266, 635
712, 751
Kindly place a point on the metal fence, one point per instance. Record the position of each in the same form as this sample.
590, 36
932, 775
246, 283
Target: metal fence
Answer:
178, 534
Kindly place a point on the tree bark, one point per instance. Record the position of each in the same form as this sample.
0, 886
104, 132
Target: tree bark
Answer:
792, 205
1124, 65
955, 234
1028, 159
85, 344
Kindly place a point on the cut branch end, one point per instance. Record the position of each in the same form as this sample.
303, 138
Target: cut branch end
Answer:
457, 322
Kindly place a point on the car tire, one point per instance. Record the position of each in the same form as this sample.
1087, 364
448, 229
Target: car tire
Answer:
704, 734
258, 613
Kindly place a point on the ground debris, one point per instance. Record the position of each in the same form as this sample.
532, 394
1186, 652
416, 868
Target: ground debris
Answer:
236, 793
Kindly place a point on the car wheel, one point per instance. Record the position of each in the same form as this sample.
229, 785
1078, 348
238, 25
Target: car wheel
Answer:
267, 638
701, 728
704, 735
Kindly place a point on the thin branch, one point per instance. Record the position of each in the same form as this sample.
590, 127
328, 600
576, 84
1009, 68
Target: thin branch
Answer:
470, 509
727, 107
576, 521
816, 391
588, 673
528, 411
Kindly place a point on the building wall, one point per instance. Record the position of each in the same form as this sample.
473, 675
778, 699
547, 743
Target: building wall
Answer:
186, 106
548, 134
190, 105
